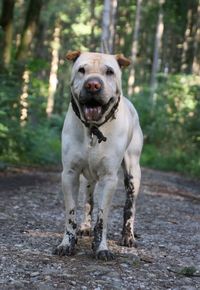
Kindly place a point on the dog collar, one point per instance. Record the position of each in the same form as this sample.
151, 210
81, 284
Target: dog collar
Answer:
94, 129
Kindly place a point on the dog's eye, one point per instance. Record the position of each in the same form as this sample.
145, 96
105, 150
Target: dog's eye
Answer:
81, 70
109, 71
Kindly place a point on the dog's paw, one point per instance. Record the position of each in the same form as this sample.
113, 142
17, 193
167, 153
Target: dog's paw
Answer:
105, 255
64, 250
85, 231
128, 241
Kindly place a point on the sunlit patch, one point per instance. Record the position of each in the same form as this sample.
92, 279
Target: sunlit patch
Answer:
36, 233
24, 97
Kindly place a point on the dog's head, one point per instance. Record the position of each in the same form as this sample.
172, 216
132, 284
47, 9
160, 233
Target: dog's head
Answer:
96, 83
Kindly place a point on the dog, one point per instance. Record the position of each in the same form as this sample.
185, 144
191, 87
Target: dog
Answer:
101, 133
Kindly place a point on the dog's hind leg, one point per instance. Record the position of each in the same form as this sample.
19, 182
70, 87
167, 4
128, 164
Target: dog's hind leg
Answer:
85, 227
70, 186
132, 175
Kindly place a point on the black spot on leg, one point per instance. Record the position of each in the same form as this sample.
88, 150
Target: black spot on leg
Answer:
129, 187
66, 249
74, 225
91, 203
98, 231
72, 238
71, 221
127, 234
71, 211
128, 183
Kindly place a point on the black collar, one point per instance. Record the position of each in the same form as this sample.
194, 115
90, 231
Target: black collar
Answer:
94, 129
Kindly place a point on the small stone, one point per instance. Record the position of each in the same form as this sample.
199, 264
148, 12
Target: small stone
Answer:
18, 283
147, 259
124, 265
34, 274
73, 283
69, 275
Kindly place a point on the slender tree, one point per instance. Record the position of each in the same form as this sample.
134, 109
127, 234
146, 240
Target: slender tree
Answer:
196, 59
157, 49
134, 48
53, 79
108, 26
7, 25
93, 22
113, 19
30, 26
187, 40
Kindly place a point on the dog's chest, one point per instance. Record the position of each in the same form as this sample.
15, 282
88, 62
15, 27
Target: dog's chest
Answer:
95, 161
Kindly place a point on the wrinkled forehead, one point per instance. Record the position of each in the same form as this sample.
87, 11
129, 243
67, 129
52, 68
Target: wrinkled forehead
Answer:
96, 61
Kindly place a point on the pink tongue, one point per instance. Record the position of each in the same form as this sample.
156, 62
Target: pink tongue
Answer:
92, 114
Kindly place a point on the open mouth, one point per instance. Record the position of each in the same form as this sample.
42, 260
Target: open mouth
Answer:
93, 110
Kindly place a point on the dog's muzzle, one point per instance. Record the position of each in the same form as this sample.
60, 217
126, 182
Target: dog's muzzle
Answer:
93, 107
91, 101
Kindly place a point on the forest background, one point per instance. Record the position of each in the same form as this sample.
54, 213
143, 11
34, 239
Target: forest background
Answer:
162, 37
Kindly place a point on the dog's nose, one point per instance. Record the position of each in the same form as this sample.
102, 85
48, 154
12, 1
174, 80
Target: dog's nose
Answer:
93, 85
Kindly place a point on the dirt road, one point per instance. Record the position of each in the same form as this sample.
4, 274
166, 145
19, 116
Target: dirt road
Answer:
167, 225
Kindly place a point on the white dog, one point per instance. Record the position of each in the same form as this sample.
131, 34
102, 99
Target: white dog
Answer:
101, 133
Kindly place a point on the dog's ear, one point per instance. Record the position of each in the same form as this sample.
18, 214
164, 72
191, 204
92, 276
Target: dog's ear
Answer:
122, 60
73, 55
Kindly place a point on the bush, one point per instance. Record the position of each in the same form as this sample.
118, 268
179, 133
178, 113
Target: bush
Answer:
38, 140
172, 125
33, 145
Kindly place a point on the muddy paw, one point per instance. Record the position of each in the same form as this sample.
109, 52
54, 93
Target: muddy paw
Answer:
85, 231
128, 241
64, 250
105, 255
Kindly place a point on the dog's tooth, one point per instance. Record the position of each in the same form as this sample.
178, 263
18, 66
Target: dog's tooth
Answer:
96, 113
92, 113
88, 113
99, 110
91, 110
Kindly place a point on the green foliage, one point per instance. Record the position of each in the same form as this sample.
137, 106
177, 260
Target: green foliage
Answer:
32, 145
37, 141
172, 126
40, 145
188, 271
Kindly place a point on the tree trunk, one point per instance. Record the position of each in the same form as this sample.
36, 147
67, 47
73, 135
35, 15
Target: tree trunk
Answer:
7, 25
93, 23
108, 26
134, 49
186, 43
113, 25
196, 59
53, 80
157, 49
30, 26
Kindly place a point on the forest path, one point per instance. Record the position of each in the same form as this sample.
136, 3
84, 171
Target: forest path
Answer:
167, 225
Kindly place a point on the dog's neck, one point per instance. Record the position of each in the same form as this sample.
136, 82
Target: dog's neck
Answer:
94, 129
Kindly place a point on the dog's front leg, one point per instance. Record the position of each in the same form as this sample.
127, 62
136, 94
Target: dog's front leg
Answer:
70, 186
85, 227
105, 189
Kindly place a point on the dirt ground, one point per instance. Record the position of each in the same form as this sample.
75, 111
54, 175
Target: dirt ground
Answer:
167, 226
